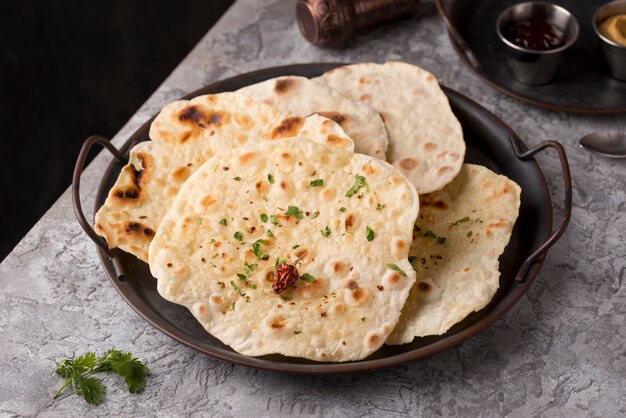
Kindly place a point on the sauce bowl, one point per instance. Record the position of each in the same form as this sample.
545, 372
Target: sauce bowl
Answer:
614, 53
530, 66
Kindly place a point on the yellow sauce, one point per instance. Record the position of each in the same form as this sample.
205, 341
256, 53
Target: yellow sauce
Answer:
614, 29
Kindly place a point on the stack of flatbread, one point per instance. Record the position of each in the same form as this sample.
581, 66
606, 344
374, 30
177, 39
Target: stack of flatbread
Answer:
316, 218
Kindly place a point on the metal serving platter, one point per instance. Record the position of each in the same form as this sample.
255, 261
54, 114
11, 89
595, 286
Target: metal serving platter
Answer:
489, 142
583, 84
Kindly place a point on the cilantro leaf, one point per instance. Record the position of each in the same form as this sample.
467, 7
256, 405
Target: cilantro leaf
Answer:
315, 215
270, 178
394, 267
270, 233
223, 222
316, 183
307, 278
325, 232
263, 217
238, 235
294, 211
125, 365
256, 249
360, 182
369, 233
460, 221
90, 388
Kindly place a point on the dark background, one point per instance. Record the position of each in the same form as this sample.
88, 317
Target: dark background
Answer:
70, 69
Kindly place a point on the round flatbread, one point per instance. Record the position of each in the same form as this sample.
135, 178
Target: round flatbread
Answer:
461, 232
184, 135
425, 138
343, 219
303, 97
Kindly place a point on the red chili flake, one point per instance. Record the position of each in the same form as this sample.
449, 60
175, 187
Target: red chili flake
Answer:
285, 276
323, 314
225, 168
379, 287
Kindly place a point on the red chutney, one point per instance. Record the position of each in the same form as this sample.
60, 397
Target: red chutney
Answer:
535, 34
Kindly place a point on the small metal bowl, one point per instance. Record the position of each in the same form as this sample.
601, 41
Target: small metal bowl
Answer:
530, 66
614, 53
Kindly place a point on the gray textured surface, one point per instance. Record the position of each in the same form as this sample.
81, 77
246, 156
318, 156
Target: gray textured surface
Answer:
561, 351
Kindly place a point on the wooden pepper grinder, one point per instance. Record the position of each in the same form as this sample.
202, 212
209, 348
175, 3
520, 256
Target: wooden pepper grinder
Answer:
330, 23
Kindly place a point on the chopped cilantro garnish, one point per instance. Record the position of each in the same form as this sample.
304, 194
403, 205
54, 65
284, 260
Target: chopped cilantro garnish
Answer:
252, 286
478, 220
412, 258
469, 234
315, 215
235, 288
274, 219
233, 306
256, 249
325, 232
286, 298
369, 233
342, 209
199, 221
212, 240
297, 332
294, 211
307, 278
238, 235
242, 276
263, 217
220, 283
296, 246
362, 319
396, 268
360, 182
460, 221
318, 182
431, 234
270, 233
237, 178
224, 222
270, 178
379, 207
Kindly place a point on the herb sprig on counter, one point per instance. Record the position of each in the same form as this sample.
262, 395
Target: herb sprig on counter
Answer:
79, 374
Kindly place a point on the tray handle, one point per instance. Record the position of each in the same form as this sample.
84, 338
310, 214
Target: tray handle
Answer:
78, 209
456, 36
567, 210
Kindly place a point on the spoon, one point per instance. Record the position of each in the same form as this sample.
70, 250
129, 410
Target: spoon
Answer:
610, 144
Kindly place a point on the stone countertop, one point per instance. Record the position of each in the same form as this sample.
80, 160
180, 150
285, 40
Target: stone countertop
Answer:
561, 351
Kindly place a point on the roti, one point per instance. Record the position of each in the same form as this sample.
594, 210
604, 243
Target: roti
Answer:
425, 138
461, 232
184, 135
303, 97
343, 219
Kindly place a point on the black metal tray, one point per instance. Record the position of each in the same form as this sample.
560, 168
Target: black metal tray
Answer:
583, 84
489, 142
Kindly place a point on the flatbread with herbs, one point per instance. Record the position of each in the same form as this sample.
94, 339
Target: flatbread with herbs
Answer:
184, 135
344, 220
